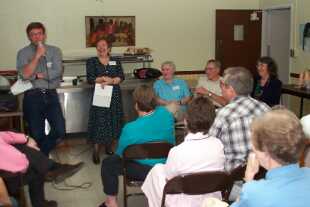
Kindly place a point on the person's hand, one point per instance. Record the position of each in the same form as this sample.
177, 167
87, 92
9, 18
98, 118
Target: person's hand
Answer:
252, 167
32, 143
107, 80
201, 90
41, 50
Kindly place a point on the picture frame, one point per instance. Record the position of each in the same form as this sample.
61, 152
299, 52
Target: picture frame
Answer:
118, 30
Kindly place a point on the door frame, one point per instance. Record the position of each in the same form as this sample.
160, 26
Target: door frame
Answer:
291, 7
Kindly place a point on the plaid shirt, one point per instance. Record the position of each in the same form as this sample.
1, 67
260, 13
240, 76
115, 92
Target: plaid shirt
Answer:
232, 127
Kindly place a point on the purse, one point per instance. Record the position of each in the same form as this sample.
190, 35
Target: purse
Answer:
147, 73
20, 86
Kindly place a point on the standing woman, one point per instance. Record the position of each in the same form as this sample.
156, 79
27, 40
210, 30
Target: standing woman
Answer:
105, 124
267, 86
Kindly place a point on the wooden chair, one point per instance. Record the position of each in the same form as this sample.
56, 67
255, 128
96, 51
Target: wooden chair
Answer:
151, 150
305, 157
197, 184
20, 195
4, 197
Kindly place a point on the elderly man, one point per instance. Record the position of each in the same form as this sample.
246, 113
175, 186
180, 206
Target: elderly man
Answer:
42, 65
209, 85
232, 123
171, 91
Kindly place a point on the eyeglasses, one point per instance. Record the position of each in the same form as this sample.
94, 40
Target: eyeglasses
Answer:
261, 65
35, 33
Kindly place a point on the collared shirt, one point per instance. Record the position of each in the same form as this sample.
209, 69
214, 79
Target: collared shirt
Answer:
157, 126
50, 65
232, 127
174, 91
287, 186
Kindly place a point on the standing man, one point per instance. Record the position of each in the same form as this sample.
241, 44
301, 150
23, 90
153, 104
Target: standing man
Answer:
42, 65
232, 122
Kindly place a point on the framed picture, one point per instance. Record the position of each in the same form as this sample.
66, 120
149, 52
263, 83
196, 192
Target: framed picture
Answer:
119, 30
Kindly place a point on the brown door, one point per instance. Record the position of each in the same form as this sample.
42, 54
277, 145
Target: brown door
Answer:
238, 37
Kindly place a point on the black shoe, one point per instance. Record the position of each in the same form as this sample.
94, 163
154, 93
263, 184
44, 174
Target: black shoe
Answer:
108, 150
50, 204
96, 158
62, 172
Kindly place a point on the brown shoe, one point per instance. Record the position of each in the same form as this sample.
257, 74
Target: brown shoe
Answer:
50, 204
62, 172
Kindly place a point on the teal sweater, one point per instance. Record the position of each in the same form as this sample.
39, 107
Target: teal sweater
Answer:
158, 126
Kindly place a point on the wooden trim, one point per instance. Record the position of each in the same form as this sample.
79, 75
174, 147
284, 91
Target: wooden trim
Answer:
8, 72
294, 75
186, 72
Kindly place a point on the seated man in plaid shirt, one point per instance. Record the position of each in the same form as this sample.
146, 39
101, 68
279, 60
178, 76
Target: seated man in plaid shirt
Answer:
232, 123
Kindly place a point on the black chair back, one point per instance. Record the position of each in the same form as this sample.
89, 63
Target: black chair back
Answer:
197, 184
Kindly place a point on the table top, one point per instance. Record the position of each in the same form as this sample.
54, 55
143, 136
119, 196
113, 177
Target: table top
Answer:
292, 89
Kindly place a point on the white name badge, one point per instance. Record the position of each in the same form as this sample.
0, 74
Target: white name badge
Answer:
112, 62
49, 64
176, 88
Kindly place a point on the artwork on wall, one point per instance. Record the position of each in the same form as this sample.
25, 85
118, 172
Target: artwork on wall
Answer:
119, 30
305, 36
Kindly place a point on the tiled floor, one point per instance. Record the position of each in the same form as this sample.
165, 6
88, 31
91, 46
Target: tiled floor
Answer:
92, 196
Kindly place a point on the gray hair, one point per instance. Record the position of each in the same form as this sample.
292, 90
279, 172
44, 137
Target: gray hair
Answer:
240, 79
217, 63
170, 63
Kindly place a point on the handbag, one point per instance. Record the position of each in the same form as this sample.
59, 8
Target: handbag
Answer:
20, 86
147, 73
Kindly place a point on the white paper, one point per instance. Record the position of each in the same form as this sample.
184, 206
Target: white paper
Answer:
20, 86
102, 96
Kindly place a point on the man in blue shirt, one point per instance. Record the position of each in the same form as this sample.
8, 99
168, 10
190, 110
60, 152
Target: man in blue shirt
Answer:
153, 124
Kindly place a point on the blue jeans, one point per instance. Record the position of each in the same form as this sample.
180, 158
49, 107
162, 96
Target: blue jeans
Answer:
39, 105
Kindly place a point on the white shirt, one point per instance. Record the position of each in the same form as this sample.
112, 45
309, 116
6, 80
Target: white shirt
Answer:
213, 86
305, 122
198, 153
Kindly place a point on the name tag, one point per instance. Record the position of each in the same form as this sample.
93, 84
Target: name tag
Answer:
49, 64
112, 62
176, 88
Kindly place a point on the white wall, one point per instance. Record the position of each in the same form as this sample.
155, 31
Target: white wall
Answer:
301, 15
178, 30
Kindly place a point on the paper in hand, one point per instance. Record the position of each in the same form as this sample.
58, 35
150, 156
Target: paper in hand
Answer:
102, 96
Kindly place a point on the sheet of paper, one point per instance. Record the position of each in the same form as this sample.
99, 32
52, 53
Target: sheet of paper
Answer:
102, 96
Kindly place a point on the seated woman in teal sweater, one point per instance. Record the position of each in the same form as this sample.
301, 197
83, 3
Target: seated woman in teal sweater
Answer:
155, 123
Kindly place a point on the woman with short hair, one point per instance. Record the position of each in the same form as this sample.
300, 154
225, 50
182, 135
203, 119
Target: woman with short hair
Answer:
278, 141
199, 152
172, 91
154, 123
105, 123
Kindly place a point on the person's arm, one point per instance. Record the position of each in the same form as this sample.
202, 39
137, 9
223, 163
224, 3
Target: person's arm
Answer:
4, 196
124, 141
13, 138
28, 68
106, 80
11, 159
218, 99
186, 94
162, 101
